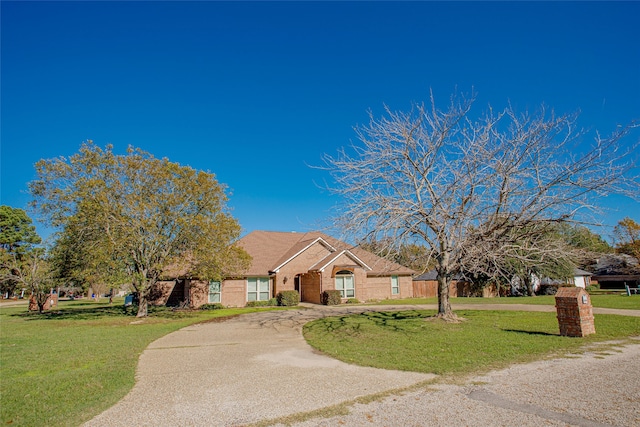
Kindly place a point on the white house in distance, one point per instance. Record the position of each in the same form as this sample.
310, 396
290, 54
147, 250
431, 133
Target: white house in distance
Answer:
580, 279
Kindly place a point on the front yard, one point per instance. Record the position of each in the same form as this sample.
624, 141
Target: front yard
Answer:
66, 366
485, 340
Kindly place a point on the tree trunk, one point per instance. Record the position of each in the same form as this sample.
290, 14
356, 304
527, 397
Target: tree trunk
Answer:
528, 285
143, 292
444, 282
444, 305
142, 305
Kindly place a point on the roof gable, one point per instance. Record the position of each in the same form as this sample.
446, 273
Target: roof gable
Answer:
327, 261
272, 250
300, 247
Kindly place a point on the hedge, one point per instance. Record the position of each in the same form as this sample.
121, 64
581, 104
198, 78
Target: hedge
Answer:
332, 297
288, 298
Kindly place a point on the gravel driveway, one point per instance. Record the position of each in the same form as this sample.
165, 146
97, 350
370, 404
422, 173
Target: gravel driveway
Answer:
257, 367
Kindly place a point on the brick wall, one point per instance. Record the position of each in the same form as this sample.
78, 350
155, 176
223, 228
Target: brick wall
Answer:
310, 287
160, 292
234, 293
379, 287
285, 278
198, 293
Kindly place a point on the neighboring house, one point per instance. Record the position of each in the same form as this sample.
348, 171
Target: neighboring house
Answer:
426, 285
615, 271
580, 279
309, 263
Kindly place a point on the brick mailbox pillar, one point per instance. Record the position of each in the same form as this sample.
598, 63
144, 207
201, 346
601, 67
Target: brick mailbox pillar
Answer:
575, 315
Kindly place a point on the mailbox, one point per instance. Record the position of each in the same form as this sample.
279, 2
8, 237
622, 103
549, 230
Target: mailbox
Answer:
575, 313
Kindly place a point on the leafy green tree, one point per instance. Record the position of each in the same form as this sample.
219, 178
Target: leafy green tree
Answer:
16, 230
17, 239
137, 216
581, 237
627, 233
32, 272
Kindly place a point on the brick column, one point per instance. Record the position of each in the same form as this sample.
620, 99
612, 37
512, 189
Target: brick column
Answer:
575, 314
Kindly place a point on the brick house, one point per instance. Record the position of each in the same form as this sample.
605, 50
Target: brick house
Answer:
309, 263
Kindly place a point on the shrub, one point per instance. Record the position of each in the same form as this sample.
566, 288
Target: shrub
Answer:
213, 306
353, 301
547, 290
288, 298
593, 287
271, 303
332, 297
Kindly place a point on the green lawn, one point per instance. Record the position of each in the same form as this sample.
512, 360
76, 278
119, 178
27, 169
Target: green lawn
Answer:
486, 340
66, 366
603, 301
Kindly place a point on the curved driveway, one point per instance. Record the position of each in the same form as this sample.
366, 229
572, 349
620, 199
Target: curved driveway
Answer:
258, 366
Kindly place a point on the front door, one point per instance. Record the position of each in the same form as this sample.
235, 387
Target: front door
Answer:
296, 285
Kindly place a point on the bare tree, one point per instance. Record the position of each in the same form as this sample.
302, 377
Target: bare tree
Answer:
466, 187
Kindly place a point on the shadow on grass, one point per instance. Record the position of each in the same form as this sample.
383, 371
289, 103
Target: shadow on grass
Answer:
520, 331
350, 324
78, 313
85, 311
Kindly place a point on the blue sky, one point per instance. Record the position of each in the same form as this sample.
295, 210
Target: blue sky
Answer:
257, 92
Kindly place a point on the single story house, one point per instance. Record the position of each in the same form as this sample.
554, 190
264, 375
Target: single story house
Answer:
309, 263
615, 271
580, 279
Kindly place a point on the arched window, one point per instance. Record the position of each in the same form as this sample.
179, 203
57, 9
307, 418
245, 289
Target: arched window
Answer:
345, 283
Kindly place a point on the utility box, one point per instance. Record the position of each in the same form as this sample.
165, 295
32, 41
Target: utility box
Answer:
575, 314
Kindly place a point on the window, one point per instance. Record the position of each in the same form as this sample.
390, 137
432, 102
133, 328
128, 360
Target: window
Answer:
344, 284
395, 287
258, 289
214, 291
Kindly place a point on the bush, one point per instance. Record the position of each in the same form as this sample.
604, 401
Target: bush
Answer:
332, 297
353, 301
547, 290
213, 306
594, 287
288, 298
271, 303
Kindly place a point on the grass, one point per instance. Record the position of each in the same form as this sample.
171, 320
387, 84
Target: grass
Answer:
601, 301
68, 365
486, 340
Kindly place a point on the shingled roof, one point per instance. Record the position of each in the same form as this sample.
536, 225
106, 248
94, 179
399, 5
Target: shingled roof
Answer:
270, 250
